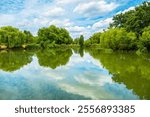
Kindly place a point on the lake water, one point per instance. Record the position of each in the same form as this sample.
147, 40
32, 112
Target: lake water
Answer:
73, 74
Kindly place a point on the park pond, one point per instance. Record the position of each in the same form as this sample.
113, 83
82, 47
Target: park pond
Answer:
73, 74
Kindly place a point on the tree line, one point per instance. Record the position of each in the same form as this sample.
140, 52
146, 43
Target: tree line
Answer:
128, 31
52, 36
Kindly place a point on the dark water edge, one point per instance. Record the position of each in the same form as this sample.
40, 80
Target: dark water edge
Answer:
73, 74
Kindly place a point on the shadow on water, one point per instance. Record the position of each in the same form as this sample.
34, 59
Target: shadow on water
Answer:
127, 68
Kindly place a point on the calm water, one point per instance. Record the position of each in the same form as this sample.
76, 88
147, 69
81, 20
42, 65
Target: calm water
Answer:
73, 74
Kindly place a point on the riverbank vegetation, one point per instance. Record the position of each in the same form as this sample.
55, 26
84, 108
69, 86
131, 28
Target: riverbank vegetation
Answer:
52, 36
129, 31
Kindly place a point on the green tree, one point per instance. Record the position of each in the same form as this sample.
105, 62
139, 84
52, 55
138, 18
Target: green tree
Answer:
81, 40
76, 41
11, 37
145, 39
53, 35
95, 38
133, 20
118, 38
29, 37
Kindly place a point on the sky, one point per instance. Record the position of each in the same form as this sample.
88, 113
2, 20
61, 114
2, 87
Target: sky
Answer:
79, 17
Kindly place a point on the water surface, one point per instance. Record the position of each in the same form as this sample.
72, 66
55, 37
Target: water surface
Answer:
70, 74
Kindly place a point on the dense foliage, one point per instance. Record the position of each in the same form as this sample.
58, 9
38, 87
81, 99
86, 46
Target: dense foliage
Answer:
134, 20
53, 35
29, 37
129, 31
94, 39
118, 38
76, 41
11, 37
144, 43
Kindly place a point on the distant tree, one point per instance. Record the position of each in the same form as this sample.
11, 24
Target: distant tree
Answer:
81, 40
29, 36
95, 38
76, 41
87, 42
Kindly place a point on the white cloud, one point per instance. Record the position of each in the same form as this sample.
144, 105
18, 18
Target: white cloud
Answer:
54, 12
93, 79
102, 24
76, 29
95, 8
65, 2
126, 10
6, 19
61, 23
45, 22
130, 8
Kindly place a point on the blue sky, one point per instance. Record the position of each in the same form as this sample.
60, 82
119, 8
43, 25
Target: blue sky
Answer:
77, 16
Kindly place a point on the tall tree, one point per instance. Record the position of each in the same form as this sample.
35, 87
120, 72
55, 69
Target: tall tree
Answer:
81, 40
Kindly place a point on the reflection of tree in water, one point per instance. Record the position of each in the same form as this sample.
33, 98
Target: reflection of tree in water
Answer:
54, 57
79, 50
129, 69
14, 60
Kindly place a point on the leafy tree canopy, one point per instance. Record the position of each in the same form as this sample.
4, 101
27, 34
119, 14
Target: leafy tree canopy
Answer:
133, 20
11, 37
55, 35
